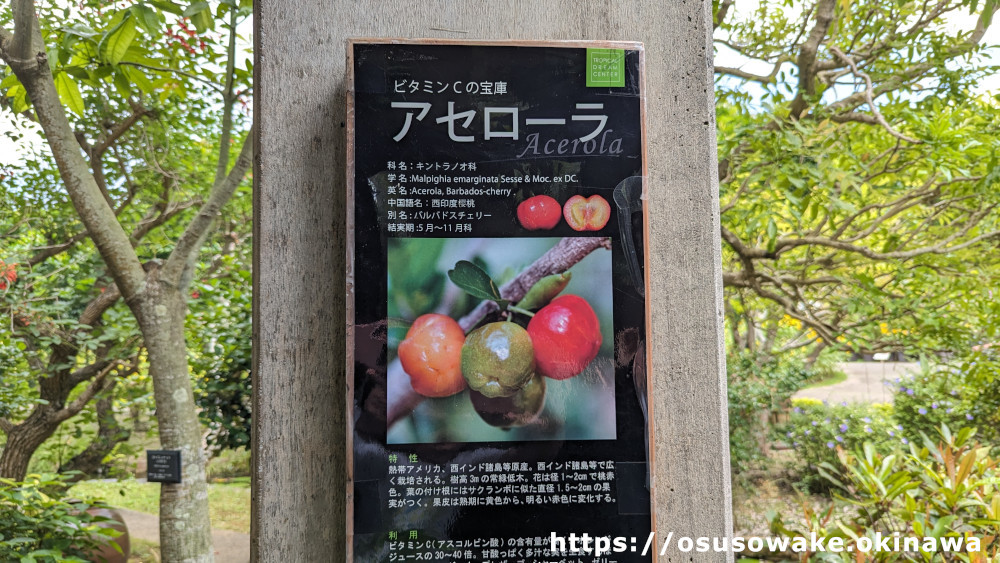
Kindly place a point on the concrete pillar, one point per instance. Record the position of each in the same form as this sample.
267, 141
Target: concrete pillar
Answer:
300, 431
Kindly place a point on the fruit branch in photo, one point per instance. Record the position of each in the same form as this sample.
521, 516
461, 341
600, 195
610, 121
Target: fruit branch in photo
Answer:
528, 290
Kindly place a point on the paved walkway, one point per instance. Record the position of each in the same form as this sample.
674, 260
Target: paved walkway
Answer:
865, 383
230, 547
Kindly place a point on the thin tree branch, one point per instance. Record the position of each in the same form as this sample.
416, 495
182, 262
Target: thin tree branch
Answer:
557, 260
913, 198
763, 79
147, 225
720, 15
855, 117
138, 112
179, 263
228, 99
806, 62
879, 118
940, 248
100, 383
96, 308
47, 252
88, 371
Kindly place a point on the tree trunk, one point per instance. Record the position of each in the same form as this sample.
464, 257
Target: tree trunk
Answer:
161, 310
22, 441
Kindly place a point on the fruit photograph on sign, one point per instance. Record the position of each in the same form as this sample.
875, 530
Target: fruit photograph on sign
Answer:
500, 339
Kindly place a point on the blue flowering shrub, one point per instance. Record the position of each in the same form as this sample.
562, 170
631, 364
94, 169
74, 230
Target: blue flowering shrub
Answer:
817, 431
936, 396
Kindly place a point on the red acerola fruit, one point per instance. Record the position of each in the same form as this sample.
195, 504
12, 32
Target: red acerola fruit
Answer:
540, 212
566, 335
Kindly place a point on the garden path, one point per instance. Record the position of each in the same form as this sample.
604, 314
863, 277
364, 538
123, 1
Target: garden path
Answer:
865, 383
230, 547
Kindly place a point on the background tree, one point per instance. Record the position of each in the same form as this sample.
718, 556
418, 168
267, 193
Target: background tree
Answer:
219, 332
859, 192
137, 104
858, 175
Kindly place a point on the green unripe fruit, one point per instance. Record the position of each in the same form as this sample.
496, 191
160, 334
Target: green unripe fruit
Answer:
498, 359
519, 409
545, 291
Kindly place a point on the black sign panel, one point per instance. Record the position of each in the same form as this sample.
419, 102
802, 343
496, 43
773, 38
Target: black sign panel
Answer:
498, 314
163, 466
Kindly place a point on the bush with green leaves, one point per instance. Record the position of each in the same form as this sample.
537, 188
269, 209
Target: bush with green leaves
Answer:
944, 488
219, 330
757, 385
980, 371
818, 431
936, 396
39, 524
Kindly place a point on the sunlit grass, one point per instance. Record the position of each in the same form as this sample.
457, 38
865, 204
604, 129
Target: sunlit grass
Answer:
228, 503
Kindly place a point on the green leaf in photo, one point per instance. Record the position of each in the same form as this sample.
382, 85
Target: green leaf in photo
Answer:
544, 291
476, 282
69, 93
120, 40
195, 8
147, 17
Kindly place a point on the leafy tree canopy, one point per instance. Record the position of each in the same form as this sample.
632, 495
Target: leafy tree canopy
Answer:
859, 176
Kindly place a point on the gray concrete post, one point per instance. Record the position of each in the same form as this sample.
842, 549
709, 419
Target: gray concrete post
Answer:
299, 428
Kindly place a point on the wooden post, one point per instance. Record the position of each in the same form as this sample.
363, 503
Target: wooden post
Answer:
300, 431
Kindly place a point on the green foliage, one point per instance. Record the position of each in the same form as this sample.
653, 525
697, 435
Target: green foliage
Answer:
39, 523
230, 464
476, 282
544, 291
818, 432
159, 48
945, 488
219, 326
870, 225
941, 395
145, 86
417, 285
980, 379
935, 397
756, 387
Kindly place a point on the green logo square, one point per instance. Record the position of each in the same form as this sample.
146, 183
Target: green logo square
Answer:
606, 67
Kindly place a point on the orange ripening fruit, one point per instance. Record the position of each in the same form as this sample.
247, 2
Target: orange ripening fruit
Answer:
431, 354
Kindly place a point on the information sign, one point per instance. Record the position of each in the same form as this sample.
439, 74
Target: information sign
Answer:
497, 312
163, 466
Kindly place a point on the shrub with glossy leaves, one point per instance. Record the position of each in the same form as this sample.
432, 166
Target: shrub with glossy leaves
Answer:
948, 487
817, 431
37, 522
